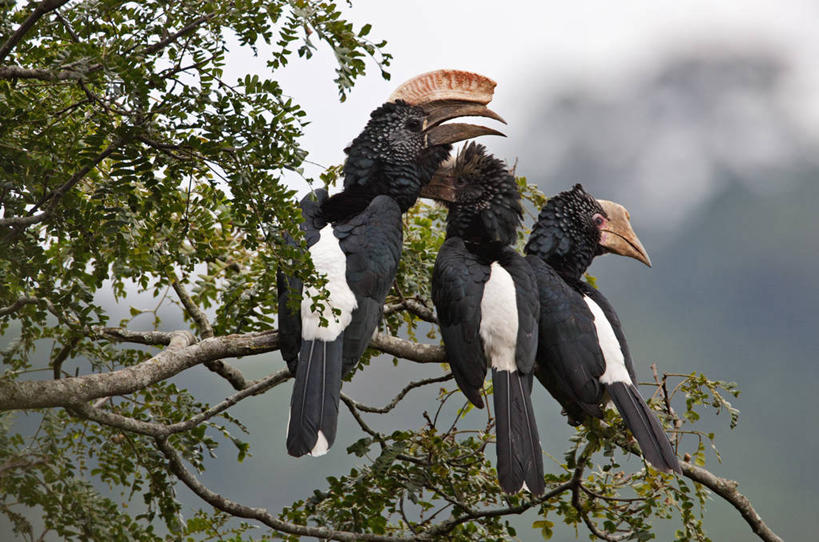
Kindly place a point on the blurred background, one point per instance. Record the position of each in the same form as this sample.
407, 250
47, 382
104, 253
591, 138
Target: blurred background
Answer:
702, 118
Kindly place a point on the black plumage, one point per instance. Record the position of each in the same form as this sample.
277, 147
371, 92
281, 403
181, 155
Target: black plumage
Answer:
582, 351
485, 296
354, 239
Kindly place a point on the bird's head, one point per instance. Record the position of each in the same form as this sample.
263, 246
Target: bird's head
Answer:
406, 139
481, 194
573, 228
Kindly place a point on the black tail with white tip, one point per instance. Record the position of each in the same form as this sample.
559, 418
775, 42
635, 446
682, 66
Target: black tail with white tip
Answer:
644, 426
314, 403
520, 462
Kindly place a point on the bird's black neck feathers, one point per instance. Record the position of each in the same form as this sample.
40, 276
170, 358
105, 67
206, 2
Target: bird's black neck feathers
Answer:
565, 235
487, 210
388, 157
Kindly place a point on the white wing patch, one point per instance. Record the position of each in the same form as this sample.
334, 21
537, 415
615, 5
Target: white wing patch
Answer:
329, 260
615, 362
321, 446
499, 319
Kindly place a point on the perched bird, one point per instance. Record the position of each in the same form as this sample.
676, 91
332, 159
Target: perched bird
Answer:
354, 239
486, 299
582, 351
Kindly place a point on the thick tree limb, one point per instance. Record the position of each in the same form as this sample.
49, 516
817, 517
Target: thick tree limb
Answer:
181, 354
18, 72
42, 8
226, 371
417, 352
260, 514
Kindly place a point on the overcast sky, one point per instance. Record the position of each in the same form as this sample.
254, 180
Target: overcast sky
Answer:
532, 49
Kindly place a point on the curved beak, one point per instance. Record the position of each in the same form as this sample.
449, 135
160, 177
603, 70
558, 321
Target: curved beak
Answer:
442, 185
618, 237
440, 111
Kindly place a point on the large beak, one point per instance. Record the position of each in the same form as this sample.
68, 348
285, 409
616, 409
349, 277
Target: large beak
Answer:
617, 235
442, 185
438, 112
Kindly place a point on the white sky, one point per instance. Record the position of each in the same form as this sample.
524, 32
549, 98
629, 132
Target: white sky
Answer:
532, 47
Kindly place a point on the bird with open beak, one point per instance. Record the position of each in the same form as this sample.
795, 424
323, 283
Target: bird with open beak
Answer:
582, 355
354, 239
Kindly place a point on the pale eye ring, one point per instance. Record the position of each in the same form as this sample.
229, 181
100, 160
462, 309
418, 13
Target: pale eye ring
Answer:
598, 220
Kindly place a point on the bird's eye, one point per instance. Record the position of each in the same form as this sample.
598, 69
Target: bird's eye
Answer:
460, 182
598, 220
413, 125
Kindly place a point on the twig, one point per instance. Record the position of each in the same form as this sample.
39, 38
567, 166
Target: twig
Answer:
411, 386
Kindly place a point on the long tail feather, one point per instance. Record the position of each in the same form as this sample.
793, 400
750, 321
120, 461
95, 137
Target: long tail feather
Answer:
314, 403
520, 461
644, 426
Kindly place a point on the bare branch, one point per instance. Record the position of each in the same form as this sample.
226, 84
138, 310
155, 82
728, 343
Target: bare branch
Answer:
415, 307
229, 373
260, 514
181, 354
436, 531
176, 35
119, 334
42, 8
401, 394
193, 310
727, 489
20, 303
353, 407
162, 430
18, 72
417, 352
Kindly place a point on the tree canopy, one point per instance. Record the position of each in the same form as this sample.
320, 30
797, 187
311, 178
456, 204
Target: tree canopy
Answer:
129, 165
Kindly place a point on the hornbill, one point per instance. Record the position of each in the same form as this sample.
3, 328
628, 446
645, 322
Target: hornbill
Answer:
486, 299
354, 239
582, 351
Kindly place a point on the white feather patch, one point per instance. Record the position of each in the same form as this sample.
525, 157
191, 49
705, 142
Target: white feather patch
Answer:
329, 260
612, 353
499, 319
321, 446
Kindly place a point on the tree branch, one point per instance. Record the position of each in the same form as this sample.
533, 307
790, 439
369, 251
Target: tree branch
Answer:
42, 8
435, 532
181, 354
153, 429
260, 514
727, 489
18, 304
417, 352
226, 371
53, 197
18, 72
401, 394
415, 307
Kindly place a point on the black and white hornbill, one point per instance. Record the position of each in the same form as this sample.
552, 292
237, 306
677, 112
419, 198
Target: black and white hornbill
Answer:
486, 299
354, 239
582, 351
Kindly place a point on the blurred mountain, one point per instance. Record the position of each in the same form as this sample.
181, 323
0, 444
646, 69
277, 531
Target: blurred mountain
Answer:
669, 141
735, 296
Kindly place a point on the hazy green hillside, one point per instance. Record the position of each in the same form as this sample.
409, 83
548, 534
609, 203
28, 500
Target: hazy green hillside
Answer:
735, 295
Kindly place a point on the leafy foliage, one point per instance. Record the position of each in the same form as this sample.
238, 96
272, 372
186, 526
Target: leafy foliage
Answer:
128, 162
